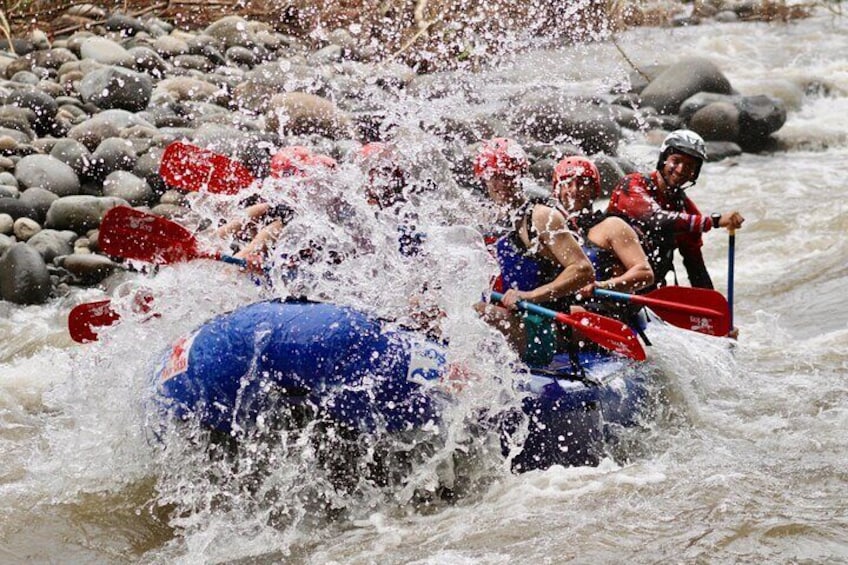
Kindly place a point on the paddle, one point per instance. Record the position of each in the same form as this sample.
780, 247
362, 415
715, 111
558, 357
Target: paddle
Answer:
606, 332
731, 259
193, 168
133, 234
698, 309
84, 318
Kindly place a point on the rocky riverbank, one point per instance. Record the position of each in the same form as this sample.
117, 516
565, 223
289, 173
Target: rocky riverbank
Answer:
85, 118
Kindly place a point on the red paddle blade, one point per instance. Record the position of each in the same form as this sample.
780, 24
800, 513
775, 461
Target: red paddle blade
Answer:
698, 309
606, 332
85, 318
133, 234
193, 169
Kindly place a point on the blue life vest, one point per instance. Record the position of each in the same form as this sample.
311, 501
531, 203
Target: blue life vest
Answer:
521, 267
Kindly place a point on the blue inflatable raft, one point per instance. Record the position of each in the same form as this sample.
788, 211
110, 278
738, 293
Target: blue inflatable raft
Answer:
347, 369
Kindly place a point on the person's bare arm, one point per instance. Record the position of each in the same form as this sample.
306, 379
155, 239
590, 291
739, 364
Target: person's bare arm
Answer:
250, 213
615, 234
558, 242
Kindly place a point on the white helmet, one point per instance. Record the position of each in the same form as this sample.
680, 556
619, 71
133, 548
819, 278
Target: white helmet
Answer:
683, 141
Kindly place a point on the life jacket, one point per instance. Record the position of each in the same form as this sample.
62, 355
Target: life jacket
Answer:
603, 260
606, 263
657, 241
521, 267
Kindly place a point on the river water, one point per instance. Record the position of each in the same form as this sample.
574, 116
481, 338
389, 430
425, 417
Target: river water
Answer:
745, 464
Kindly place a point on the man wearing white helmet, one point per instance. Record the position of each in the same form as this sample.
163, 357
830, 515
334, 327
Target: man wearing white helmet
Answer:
656, 204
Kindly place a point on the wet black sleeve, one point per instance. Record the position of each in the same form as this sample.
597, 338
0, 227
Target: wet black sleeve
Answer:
693, 261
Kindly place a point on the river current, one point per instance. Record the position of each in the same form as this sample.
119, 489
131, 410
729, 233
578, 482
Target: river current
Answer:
745, 464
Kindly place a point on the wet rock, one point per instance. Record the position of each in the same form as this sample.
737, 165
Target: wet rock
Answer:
19, 65
193, 62
87, 11
718, 121
47, 172
327, 55
543, 169
148, 61
173, 197
72, 153
115, 87
12, 138
9, 191
702, 99
105, 51
20, 45
749, 123
178, 89
718, 150
232, 31
759, 117
239, 55
147, 168
39, 199
5, 243
25, 228
53, 58
170, 211
42, 105
25, 77
788, 92
14, 208
680, 81
17, 118
298, 113
79, 213
23, 276
611, 172
125, 25
127, 186
113, 154
52, 243
88, 269
6, 224
270, 79
170, 46
549, 116
727, 17
108, 123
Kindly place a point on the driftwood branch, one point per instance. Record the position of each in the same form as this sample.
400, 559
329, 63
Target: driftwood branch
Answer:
626, 58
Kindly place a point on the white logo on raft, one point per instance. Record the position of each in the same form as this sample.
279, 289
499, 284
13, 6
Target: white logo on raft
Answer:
425, 364
177, 361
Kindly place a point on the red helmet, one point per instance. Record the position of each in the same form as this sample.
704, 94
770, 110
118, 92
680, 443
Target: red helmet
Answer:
374, 150
500, 156
577, 168
297, 160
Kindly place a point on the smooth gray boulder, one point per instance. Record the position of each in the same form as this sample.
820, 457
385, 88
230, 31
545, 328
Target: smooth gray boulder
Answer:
552, 116
80, 213
53, 243
88, 268
48, 173
23, 276
116, 87
681, 80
